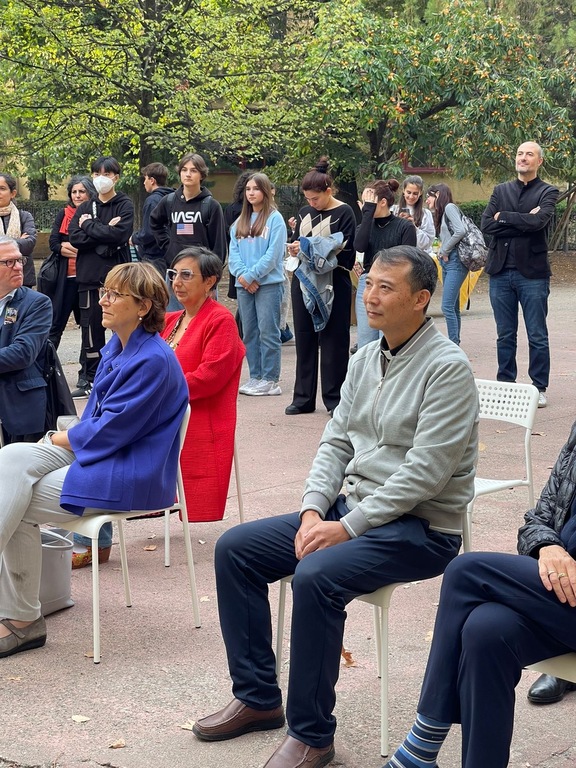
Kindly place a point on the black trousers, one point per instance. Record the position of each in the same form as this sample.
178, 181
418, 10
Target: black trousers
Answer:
494, 618
93, 334
333, 343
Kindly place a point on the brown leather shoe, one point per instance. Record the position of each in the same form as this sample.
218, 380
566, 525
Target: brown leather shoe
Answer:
236, 719
295, 754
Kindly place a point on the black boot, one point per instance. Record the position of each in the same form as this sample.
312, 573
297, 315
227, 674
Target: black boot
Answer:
549, 690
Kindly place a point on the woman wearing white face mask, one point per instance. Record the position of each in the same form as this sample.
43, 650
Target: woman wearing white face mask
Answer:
100, 230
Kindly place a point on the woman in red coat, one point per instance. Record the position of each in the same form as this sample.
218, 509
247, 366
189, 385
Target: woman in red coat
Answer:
205, 339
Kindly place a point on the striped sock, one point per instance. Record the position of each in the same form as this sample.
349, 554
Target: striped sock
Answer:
421, 746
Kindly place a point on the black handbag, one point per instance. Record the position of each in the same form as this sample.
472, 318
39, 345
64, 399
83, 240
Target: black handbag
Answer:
47, 278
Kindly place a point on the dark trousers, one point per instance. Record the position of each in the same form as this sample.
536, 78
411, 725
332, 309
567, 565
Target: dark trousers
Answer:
253, 555
93, 334
333, 343
494, 618
68, 302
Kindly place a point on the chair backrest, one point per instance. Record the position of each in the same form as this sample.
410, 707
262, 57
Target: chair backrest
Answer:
505, 401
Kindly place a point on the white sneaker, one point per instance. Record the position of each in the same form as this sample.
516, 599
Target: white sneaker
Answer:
265, 387
542, 400
246, 388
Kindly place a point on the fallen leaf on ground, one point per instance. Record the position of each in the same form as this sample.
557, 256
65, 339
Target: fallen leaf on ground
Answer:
14, 679
89, 654
205, 599
118, 744
481, 446
150, 547
80, 718
152, 536
188, 725
348, 659
201, 541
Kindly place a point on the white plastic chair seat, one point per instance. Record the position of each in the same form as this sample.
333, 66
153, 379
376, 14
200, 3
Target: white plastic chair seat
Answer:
484, 486
558, 666
89, 525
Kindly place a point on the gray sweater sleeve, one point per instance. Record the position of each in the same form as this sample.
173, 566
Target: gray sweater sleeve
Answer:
452, 229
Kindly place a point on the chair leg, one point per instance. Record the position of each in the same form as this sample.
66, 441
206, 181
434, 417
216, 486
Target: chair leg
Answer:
167, 538
383, 663
95, 601
467, 527
191, 573
378, 638
280, 626
238, 486
124, 562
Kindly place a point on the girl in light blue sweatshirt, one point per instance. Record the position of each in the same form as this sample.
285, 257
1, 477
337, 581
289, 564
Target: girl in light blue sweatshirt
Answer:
257, 246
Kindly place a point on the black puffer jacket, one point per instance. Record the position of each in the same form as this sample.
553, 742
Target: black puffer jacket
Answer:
546, 520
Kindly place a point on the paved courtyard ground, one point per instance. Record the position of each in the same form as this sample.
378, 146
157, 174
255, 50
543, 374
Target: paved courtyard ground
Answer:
158, 672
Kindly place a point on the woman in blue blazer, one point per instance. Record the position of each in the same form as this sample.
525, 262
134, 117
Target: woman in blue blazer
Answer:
122, 455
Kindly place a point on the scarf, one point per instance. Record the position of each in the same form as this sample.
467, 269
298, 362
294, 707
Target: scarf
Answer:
69, 212
14, 228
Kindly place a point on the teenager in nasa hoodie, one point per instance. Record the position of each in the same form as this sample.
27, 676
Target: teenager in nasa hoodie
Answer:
190, 215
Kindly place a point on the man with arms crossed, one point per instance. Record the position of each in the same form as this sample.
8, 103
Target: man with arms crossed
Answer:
517, 219
404, 441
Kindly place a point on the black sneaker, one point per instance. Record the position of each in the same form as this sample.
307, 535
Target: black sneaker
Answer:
82, 393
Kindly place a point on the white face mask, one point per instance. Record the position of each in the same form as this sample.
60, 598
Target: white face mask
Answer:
102, 184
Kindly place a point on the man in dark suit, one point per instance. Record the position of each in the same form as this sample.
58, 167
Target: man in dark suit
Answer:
517, 219
25, 320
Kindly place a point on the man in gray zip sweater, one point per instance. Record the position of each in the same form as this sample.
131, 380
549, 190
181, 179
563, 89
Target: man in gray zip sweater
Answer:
403, 442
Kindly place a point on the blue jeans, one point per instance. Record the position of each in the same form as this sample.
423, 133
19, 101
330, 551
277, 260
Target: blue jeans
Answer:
104, 537
453, 275
260, 315
365, 333
508, 289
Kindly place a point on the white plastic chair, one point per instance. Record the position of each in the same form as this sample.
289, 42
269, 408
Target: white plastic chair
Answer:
558, 666
240, 509
380, 599
513, 404
89, 525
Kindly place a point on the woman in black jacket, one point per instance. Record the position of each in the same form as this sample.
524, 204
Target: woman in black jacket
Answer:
19, 225
379, 229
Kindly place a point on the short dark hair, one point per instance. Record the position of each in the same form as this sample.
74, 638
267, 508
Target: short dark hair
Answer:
109, 163
199, 164
142, 281
156, 171
86, 182
424, 273
209, 264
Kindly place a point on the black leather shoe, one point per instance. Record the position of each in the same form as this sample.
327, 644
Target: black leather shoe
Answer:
294, 410
549, 690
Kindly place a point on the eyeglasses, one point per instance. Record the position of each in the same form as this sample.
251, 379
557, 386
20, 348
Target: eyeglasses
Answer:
12, 262
432, 194
183, 274
110, 295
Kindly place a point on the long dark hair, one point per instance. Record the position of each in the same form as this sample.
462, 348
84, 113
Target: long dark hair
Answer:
244, 228
419, 207
443, 195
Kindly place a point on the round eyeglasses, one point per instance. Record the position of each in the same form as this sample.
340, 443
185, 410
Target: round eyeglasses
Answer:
10, 263
110, 295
